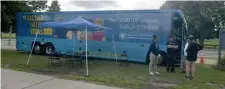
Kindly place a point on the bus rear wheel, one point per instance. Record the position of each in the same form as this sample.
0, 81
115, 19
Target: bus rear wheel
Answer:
49, 49
37, 49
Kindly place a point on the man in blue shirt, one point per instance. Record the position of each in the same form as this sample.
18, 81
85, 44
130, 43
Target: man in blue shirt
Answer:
171, 53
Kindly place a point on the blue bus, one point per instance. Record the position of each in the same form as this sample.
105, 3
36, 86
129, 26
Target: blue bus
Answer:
132, 30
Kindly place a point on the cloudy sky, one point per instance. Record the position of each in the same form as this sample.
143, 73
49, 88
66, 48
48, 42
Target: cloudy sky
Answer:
80, 5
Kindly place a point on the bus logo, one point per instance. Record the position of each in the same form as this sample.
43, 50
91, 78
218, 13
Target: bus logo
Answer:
99, 21
122, 36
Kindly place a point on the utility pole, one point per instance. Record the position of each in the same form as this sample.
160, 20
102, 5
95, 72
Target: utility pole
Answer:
221, 47
10, 32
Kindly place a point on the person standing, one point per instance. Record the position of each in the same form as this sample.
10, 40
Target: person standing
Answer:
153, 56
185, 57
69, 35
171, 53
192, 51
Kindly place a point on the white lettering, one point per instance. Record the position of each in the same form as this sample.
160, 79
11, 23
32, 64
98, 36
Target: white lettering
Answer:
122, 20
126, 26
138, 24
143, 38
112, 20
149, 21
134, 20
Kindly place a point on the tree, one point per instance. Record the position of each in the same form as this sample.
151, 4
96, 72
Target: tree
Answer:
10, 8
37, 5
204, 15
55, 7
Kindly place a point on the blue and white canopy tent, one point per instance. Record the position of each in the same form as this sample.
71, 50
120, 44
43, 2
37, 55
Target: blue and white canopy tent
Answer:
79, 23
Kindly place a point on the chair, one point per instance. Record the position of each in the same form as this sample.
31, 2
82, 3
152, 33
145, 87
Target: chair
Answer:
55, 56
123, 59
83, 56
77, 59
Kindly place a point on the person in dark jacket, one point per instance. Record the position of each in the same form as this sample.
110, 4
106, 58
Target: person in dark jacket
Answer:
192, 52
171, 52
153, 56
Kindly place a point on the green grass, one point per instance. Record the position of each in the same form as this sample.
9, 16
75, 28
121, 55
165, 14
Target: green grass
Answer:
205, 74
212, 58
210, 43
108, 73
103, 72
6, 35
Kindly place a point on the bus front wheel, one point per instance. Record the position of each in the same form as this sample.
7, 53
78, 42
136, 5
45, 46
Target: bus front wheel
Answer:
162, 60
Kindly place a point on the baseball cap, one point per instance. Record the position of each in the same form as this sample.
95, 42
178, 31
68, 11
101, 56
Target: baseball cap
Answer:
191, 37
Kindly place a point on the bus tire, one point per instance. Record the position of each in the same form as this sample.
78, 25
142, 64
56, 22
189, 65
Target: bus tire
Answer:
37, 48
162, 61
49, 49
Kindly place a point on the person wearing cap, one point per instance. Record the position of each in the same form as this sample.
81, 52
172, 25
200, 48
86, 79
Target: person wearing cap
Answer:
183, 66
153, 56
192, 52
185, 57
171, 52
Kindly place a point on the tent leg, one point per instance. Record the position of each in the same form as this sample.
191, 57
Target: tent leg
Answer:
28, 60
114, 48
86, 53
73, 44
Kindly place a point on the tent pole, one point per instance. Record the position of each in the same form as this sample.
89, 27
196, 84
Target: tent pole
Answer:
114, 46
73, 44
86, 52
182, 46
28, 60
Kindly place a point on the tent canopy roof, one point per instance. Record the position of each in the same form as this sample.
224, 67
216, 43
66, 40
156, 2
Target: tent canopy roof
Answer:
77, 23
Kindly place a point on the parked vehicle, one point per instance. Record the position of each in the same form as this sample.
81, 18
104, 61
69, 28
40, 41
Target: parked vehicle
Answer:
132, 31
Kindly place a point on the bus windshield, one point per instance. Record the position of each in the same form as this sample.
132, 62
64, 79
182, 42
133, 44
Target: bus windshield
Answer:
179, 27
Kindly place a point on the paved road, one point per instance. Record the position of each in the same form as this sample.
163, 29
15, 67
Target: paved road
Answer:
22, 80
5, 45
208, 53
5, 42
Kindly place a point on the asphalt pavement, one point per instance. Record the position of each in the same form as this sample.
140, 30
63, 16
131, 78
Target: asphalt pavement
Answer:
5, 44
21, 80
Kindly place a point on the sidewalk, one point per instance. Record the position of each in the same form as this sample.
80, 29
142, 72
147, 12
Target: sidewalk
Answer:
8, 47
22, 80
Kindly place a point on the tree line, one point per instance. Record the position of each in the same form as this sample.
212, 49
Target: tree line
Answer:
10, 8
204, 18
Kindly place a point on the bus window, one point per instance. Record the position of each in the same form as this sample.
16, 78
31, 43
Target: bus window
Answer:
177, 26
185, 32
